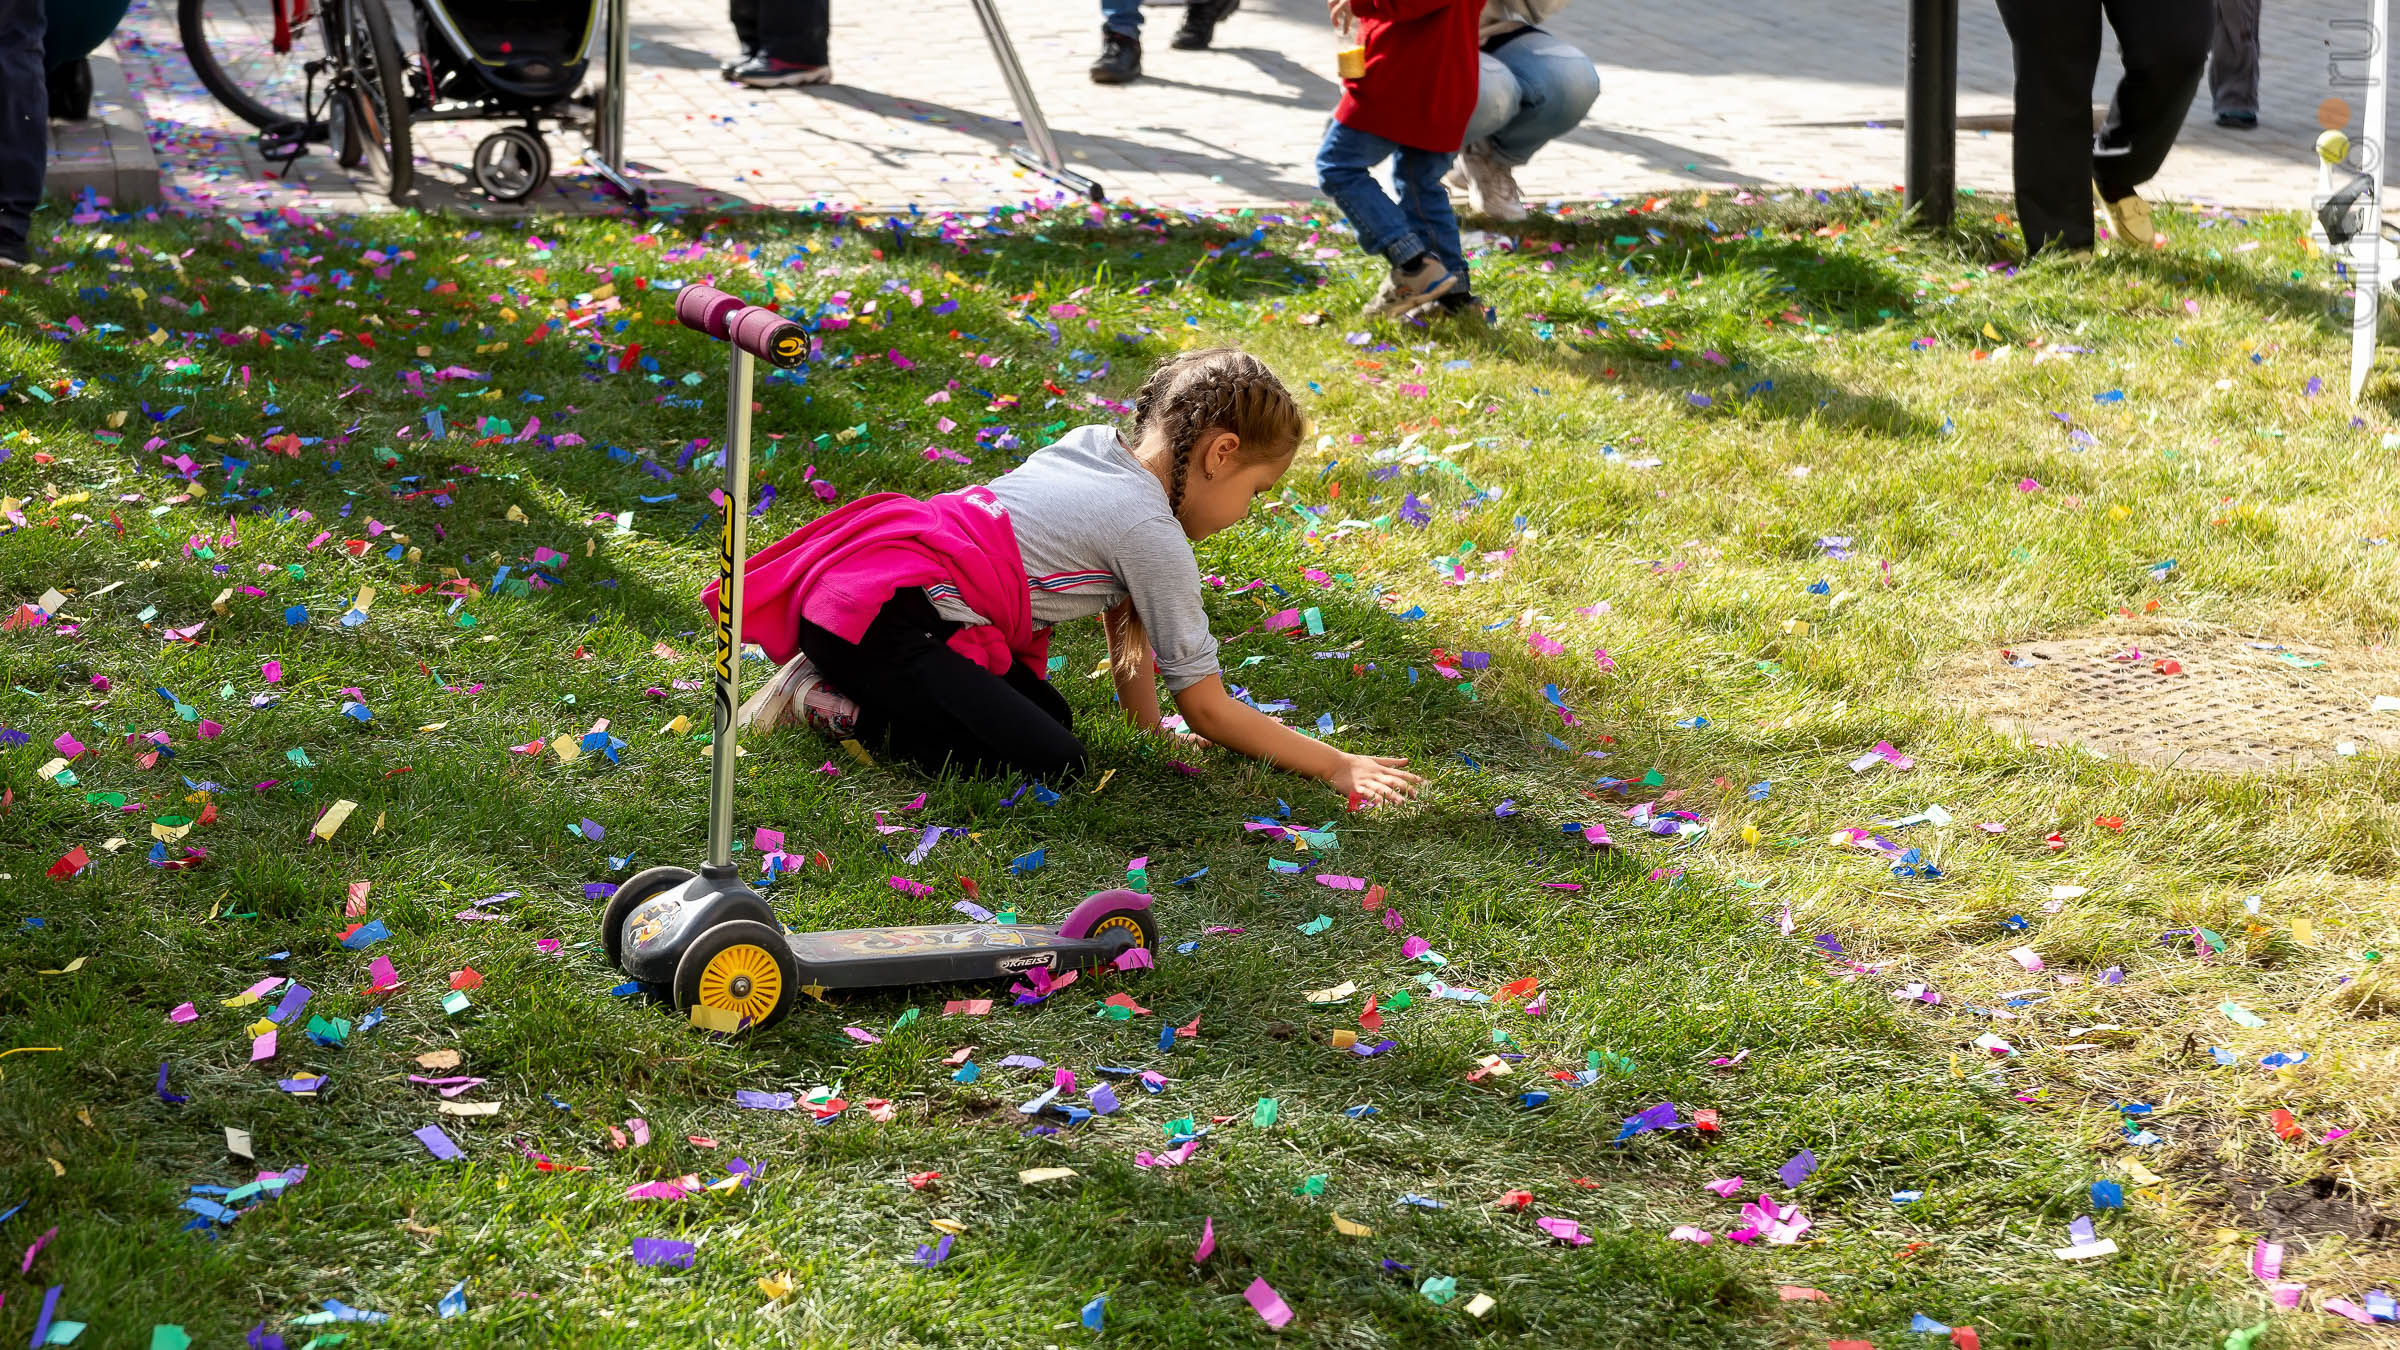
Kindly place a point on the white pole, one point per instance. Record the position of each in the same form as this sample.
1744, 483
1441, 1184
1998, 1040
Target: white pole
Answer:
2366, 249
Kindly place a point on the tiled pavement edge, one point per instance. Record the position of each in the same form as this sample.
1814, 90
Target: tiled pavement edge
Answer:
1803, 92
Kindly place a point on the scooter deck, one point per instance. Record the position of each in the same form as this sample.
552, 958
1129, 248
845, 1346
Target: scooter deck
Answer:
873, 958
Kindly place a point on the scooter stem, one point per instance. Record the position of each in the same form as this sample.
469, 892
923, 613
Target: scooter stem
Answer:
731, 552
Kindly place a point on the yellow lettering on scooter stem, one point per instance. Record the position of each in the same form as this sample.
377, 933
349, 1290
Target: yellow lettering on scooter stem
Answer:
724, 595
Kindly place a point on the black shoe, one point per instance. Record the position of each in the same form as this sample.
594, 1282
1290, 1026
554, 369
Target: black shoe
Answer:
2239, 121
15, 253
731, 64
1120, 58
1200, 20
71, 91
765, 72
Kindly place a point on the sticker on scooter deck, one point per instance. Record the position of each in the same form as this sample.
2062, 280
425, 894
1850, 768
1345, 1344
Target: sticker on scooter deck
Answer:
870, 958
869, 944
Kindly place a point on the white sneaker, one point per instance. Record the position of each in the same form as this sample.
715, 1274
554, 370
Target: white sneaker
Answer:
796, 692
1491, 185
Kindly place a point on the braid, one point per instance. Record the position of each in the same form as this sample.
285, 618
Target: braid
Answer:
1183, 469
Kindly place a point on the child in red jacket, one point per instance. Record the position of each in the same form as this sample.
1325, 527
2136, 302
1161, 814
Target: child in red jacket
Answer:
1412, 103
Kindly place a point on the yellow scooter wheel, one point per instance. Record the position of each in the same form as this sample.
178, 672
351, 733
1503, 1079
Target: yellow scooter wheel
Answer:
740, 970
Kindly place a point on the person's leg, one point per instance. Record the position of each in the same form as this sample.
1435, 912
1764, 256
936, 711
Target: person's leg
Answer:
2164, 44
1426, 203
794, 31
1120, 43
937, 707
24, 123
1346, 171
1556, 85
1041, 693
1346, 164
2057, 49
2233, 63
1200, 20
1496, 98
70, 85
745, 26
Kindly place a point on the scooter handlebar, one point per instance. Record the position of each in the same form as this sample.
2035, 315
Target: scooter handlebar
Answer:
769, 336
707, 309
754, 328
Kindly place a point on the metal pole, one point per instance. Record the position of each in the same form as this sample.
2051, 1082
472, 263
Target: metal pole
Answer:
612, 106
2367, 246
1932, 191
732, 550
608, 127
1041, 151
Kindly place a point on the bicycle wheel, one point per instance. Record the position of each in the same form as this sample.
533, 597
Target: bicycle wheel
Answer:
370, 97
231, 45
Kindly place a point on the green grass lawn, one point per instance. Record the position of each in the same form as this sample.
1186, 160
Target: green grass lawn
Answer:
1652, 457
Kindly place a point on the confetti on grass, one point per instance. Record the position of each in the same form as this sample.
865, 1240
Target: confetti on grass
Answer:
1270, 1305
663, 1252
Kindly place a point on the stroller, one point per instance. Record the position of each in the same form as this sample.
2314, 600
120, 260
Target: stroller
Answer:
504, 59
494, 60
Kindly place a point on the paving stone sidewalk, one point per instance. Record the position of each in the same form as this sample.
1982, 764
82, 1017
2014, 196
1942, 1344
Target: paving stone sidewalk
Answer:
1799, 92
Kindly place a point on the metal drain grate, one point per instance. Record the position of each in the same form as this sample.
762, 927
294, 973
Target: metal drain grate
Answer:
2239, 704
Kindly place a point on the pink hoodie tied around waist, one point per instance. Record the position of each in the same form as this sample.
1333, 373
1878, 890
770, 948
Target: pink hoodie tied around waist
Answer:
839, 570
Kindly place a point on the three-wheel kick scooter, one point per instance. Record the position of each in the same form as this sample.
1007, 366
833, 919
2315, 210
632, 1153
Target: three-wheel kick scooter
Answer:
708, 942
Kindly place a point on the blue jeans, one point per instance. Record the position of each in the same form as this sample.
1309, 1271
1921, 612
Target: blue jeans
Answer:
1122, 16
1420, 222
1533, 90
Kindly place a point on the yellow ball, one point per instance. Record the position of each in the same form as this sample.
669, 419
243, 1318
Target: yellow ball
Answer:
2333, 147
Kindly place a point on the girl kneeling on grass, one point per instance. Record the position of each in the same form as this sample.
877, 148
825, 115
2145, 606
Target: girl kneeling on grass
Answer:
928, 622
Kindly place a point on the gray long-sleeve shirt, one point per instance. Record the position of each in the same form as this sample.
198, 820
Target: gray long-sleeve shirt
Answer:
1094, 528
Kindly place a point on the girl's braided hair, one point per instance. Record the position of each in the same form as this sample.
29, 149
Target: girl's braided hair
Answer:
1216, 389
1191, 394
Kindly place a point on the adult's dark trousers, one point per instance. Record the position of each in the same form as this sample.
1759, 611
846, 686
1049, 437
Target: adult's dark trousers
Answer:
2058, 160
2233, 58
937, 708
784, 30
24, 116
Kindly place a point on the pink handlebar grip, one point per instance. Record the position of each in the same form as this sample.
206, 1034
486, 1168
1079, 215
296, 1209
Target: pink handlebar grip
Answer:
707, 309
768, 336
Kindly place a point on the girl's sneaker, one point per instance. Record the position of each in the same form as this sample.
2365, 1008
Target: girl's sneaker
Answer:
1461, 305
1421, 280
796, 692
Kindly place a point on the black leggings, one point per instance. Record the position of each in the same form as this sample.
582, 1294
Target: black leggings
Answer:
936, 706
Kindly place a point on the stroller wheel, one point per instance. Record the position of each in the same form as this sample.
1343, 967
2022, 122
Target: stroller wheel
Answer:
511, 163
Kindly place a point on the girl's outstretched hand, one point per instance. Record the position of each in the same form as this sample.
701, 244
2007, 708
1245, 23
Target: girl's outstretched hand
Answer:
1376, 778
